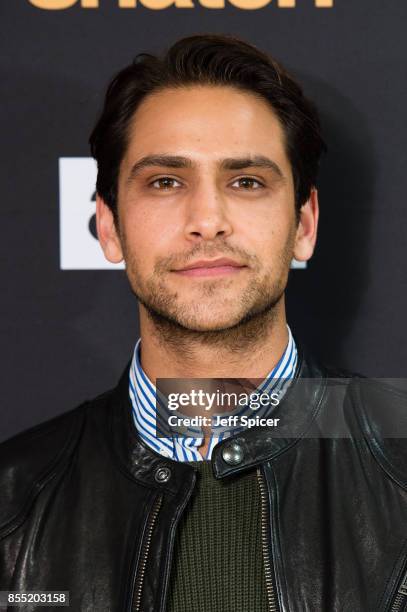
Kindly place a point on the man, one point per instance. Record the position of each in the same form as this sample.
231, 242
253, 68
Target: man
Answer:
207, 167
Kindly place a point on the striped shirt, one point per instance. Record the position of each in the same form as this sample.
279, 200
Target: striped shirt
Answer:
185, 447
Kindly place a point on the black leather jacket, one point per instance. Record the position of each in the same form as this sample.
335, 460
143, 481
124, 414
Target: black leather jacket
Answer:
87, 507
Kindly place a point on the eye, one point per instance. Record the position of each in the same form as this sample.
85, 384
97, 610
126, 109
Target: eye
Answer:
164, 183
248, 183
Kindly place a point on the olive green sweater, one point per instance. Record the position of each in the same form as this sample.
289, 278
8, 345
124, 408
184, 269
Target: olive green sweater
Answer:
218, 559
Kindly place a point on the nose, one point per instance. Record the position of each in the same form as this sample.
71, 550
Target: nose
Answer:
207, 215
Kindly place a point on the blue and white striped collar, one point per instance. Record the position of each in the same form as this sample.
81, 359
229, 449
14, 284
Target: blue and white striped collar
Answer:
182, 448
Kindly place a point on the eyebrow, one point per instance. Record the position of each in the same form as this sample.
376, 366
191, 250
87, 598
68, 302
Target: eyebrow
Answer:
227, 163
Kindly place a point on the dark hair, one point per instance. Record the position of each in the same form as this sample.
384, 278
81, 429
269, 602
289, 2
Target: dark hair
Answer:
209, 59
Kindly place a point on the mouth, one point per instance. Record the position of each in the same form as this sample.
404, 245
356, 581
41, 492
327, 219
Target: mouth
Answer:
215, 267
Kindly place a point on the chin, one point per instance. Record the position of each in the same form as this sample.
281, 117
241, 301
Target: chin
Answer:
206, 324
208, 327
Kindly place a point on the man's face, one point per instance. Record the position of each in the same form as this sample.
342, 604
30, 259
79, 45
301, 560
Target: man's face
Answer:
206, 177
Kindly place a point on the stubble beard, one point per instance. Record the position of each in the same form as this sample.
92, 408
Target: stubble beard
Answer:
176, 327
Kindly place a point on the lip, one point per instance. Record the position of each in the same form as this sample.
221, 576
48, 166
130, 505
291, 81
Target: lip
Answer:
213, 267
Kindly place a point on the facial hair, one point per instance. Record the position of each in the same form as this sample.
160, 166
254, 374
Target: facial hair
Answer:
174, 323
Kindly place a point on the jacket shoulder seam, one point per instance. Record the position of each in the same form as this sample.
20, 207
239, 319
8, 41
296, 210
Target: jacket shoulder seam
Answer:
45, 477
373, 444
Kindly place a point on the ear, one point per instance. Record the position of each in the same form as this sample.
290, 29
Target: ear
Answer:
306, 234
108, 237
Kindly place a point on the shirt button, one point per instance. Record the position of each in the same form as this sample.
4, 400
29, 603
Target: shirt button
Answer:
233, 453
162, 474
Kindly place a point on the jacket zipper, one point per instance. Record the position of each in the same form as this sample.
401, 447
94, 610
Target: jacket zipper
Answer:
268, 568
171, 543
401, 596
135, 601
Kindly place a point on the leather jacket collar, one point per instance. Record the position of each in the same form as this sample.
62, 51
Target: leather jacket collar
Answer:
296, 411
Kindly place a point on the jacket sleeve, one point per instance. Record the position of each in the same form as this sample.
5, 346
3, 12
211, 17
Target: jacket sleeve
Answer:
28, 461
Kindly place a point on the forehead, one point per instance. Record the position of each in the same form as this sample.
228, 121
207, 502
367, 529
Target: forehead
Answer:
206, 123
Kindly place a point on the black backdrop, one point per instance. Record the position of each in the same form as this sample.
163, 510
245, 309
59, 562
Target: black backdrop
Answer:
68, 332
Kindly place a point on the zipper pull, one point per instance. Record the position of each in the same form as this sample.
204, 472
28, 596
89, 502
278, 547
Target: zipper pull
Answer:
403, 587
400, 599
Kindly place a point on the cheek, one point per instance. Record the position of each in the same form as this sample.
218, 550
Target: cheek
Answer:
152, 224
148, 238
267, 232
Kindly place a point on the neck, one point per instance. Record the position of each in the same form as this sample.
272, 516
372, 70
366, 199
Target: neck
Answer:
249, 350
